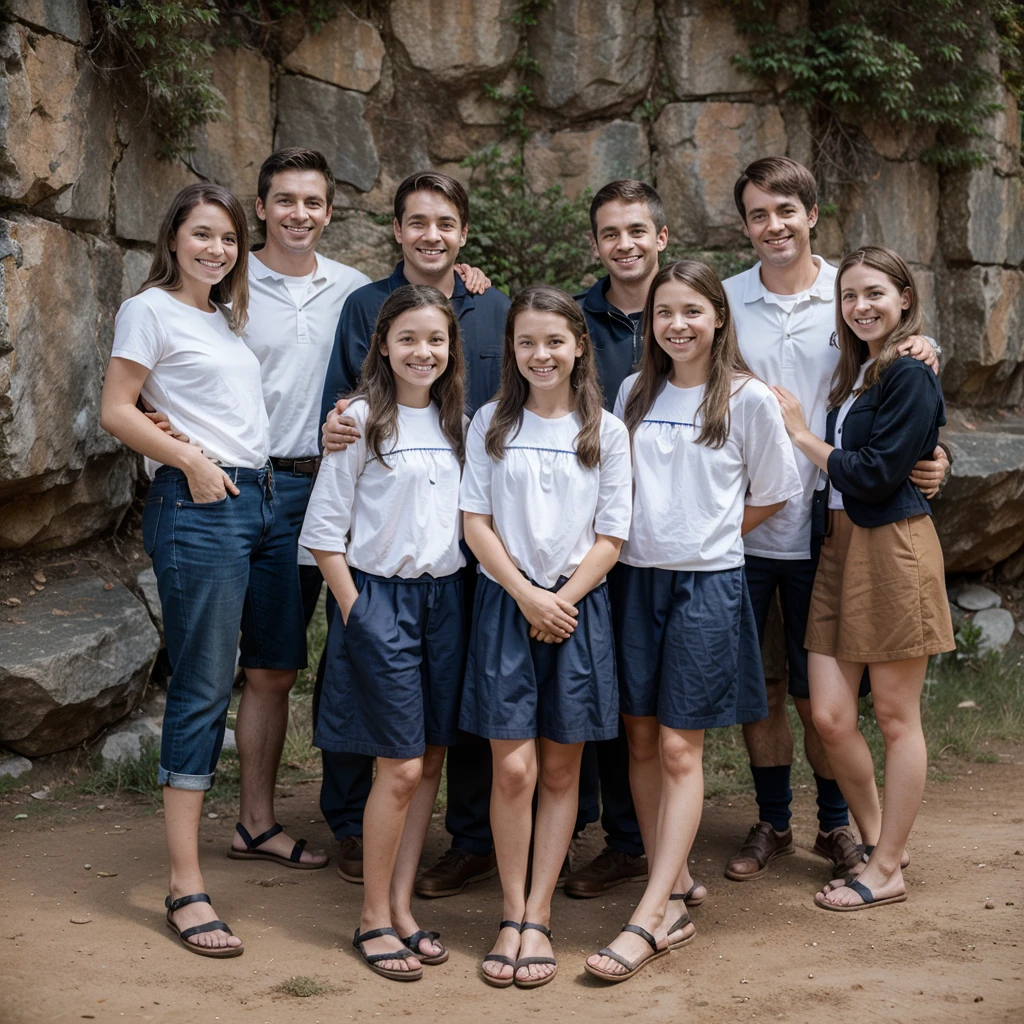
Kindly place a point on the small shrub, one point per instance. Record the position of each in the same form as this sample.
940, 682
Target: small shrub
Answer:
303, 986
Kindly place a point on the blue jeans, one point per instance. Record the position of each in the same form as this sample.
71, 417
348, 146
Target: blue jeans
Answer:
204, 556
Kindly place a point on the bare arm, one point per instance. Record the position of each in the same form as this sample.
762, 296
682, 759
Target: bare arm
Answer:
120, 416
339, 430
755, 515
796, 426
339, 578
549, 613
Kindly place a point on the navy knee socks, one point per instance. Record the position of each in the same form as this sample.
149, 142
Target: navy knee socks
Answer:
832, 810
771, 786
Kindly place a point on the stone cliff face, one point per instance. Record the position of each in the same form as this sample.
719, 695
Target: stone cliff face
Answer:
82, 193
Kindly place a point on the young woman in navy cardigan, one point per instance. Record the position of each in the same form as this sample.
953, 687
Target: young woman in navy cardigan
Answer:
879, 595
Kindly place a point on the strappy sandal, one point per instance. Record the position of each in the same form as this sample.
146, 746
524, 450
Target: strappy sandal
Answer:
688, 897
373, 959
683, 921
525, 961
252, 853
866, 895
632, 966
217, 952
413, 943
499, 958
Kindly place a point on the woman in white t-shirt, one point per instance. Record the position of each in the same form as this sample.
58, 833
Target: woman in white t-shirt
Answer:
711, 460
178, 345
383, 524
546, 498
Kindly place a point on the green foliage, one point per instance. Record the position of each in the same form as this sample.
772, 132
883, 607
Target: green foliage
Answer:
521, 237
908, 63
139, 776
967, 639
303, 986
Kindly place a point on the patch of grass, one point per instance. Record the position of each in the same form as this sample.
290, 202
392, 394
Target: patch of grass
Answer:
303, 986
138, 777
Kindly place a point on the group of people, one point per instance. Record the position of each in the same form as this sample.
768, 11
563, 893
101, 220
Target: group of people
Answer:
552, 530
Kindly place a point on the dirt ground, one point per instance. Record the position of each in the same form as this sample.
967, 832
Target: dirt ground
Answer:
763, 951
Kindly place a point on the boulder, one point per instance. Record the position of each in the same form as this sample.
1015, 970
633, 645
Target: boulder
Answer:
701, 150
146, 581
125, 742
13, 766
310, 110
594, 55
75, 661
67, 18
455, 40
347, 51
980, 516
356, 239
586, 159
58, 144
996, 625
698, 41
975, 598
981, 216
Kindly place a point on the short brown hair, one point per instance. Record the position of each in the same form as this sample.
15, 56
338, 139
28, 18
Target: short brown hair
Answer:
780, 176
294, 159
433, 181
629, 190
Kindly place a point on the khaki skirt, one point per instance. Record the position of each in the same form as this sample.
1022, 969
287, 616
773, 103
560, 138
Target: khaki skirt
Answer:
880, 592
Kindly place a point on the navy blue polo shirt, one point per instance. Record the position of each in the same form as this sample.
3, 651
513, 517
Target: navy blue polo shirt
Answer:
617, 338
481, 321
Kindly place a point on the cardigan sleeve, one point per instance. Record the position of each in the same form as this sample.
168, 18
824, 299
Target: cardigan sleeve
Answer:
909, 402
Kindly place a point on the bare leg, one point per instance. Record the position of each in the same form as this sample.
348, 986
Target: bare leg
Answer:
834, 685
383, 823
515, 779
259, 732
770, 741
182, 810
817, 757
416, 822
896, 689
682, 799
557, 803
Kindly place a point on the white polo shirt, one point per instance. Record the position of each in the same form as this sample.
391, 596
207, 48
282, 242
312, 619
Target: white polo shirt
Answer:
785, 340
291, 330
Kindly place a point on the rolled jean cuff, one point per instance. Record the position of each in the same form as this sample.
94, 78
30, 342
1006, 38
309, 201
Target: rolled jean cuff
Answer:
178, 781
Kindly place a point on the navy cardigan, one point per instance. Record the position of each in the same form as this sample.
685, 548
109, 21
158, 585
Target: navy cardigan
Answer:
891, 426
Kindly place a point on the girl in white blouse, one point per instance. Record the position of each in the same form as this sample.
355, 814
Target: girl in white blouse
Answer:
383, 524
546, 498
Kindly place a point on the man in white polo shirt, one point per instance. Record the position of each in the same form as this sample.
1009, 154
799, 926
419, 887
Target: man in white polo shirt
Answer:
785, 316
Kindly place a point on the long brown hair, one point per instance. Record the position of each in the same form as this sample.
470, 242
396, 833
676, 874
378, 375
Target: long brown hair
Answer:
726, 362
164, 271
853, 351
377, 380
515, 389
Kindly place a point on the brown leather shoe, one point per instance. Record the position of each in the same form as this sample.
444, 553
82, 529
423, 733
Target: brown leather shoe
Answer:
453, 872
762, 845
608, 869
350, 859
841, 847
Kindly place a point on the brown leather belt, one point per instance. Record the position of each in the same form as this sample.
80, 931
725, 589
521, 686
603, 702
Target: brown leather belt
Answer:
308, 466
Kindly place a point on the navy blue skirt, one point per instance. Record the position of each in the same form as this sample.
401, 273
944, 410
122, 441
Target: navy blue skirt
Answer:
687, 647
517, 688
393, 675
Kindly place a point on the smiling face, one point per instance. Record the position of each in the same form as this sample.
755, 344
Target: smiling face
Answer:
684, 324
627, 241
296, 211
778, 226
872, 306
430, 235
205, 247
546, 349
417, 349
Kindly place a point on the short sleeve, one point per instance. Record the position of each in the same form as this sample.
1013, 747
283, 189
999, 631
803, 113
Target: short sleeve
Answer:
475, 492
625, 388
329, 512
615, 489
768, 455
138, 335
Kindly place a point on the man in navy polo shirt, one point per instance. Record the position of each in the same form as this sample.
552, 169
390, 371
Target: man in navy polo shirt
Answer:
431, 223
628, 232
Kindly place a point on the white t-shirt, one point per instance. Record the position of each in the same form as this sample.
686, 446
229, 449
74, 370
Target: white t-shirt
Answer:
835, 499
202, 376
545, 506
784, 339
399, 521
292, 333
688, 498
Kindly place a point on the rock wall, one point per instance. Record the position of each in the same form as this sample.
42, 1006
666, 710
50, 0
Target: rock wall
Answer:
630, 87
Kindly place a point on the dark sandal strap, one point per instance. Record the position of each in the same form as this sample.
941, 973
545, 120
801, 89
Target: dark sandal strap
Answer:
498, 958
297, 849
250, 843
861, 890
374, 933
376, 958
680, 895
545, 931
210, 926
184, 901
413, 941
644, 934
618, 958
518, 925
681, 923
525, 961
